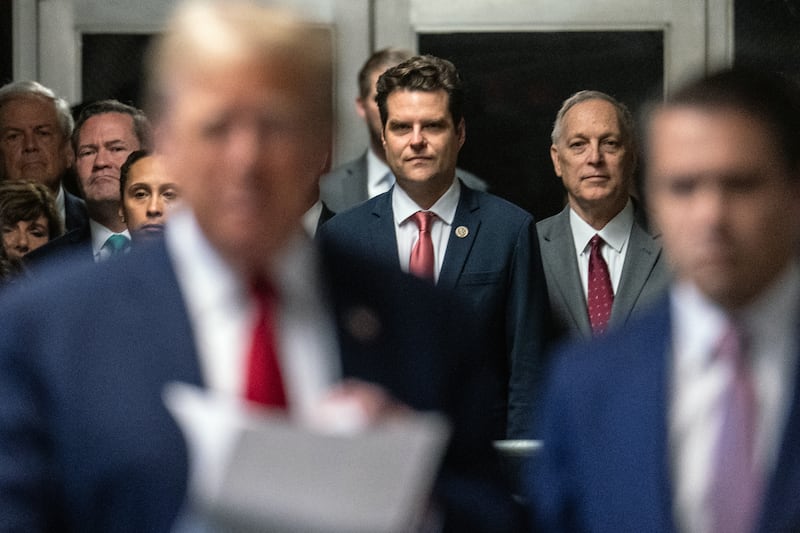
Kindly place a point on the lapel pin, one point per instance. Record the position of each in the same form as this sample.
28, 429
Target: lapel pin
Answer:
363, 324
462, 232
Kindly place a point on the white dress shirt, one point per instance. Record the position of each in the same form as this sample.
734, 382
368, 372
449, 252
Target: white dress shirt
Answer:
222, 314
379, 176
616, 234
61, 205
100, 235
407, 231
698, 380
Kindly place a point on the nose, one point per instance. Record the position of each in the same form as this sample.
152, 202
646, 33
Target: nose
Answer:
594, 153
101, 159
155, 206
417, 138
20, 239
29, 140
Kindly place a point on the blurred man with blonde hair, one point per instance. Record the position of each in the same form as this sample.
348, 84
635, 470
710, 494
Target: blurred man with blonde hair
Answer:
235, 298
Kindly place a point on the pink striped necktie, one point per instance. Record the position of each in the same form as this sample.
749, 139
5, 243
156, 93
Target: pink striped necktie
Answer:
422, 261
735, 489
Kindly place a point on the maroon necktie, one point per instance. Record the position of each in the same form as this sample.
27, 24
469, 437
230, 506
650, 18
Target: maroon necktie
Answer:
264, 384
601, 294
735, 483
421, 262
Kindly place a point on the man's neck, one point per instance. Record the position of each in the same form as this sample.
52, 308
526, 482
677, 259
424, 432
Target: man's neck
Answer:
107, 214
597, 216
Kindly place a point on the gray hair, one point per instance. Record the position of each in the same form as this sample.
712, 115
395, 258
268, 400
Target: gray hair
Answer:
624, 117
23, 89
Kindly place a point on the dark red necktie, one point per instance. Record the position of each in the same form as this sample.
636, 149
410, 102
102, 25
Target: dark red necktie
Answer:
263, 380
601, 294
421, 262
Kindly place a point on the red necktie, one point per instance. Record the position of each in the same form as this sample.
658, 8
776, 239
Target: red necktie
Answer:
735, 483
264, 384
421, 262
601, 294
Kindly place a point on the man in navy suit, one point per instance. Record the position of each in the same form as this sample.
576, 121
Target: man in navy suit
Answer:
484, 248
369, 174
35, 128
690, 416
244, 123
105, 134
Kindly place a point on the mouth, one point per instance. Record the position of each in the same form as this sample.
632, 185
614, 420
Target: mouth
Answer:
151, 229
103, 177
595, 177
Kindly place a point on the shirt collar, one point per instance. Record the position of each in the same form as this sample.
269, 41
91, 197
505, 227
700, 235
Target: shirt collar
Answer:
61, 204
615, 233
444, 208
198, 264
100, 235
377, 170
773, 314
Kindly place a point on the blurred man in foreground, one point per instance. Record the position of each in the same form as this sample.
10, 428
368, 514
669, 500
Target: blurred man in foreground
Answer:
688, 419
235, 298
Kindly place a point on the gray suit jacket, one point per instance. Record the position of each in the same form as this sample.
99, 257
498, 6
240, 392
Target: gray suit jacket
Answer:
644, 274
346, 185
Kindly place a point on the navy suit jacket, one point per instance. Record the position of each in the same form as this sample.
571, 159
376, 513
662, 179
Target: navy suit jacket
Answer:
75, 214
494, 269
86, 443
644, 274
62, 250
346, 185
605, 464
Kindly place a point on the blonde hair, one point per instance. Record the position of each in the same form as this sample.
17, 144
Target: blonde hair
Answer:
203, 36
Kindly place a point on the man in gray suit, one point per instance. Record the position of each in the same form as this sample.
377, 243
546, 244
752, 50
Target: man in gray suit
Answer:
368, 175
594, 153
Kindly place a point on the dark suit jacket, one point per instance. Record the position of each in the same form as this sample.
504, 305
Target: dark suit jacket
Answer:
75, 214
346, 185
495, 270
644, 274
61, 251
87, 445
605, 462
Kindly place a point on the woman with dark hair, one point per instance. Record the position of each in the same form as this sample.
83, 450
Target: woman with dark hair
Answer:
28, 219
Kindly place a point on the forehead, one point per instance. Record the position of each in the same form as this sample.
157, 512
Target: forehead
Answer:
28, 109
693, 140
107, 125
404, 102
594, 113
146, 169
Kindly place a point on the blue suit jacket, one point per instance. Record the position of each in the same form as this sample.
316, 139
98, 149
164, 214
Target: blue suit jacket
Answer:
605, 461
87, 445
75, 214
495, 270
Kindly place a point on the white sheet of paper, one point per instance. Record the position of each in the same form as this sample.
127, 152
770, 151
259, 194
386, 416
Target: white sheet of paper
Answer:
256, 471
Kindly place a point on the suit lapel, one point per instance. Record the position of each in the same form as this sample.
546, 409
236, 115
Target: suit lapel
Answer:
563, 268
643, 252
459, 245
382, 233
781, 508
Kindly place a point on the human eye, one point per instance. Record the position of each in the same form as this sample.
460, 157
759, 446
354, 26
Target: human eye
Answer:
399, 127
12, 136
577, 144
39, 232
117, 148
86, 151
7, 228
140, 193
170, 194
681, 186
435, 126
44, 131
